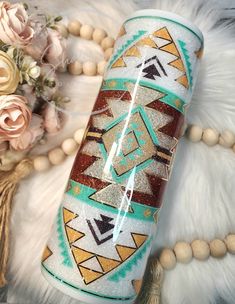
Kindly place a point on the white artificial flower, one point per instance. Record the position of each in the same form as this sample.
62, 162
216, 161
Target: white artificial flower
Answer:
30, 70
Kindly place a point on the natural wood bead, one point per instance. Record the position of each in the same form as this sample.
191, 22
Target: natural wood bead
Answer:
183, 252
86, 31
69, 146
167, 259
108, 53
201, 250
89, 68
62, 29
99, 35
74, 27
41, 163
107, 42
230, 242
75, 68
210, 137
78, 136
227, 139
101, 67
56, 156
194, 133
218, 248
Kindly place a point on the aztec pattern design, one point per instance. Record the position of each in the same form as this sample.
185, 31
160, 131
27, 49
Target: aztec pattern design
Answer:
107, 221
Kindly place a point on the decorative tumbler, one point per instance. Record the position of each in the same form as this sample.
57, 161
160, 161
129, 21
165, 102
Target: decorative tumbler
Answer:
106, 224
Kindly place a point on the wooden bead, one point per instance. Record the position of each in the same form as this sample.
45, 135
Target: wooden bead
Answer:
62, 29
89, 68
227, 139
74, 27
69, 146
201, 250
183, 252
75, 68
99, 35
218, 248
107, 42
86, 31
108, 53
78, 136
210, 137
56, 156
167, 259
194, 133
101, 67
41, 163
230, 242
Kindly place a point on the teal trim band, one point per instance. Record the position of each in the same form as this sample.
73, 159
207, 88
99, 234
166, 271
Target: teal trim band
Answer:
62, 281
140, 212
187, 61
62, 241
121, 274
171, 99
169, 20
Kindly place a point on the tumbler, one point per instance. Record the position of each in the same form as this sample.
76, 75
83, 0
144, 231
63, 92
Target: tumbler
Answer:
107, 221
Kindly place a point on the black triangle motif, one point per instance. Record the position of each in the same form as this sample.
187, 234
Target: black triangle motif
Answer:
104, 225
152, 68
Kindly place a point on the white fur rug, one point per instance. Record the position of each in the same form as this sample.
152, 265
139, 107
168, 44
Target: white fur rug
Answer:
200, 198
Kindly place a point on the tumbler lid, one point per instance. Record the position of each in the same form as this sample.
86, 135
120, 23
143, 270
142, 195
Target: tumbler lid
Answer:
168, 16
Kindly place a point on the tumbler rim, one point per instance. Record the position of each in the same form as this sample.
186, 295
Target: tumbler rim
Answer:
167, 15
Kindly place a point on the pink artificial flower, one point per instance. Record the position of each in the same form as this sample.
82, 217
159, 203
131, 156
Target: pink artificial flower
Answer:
38, 45
14, 24
30, 136
53, 119
3, 147
56, 49
15, 116
28, 92
49, 76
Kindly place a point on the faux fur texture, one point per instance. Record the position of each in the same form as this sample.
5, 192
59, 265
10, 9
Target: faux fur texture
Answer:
199, 202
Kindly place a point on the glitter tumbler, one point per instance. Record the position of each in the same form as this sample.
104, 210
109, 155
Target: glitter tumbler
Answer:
106, 224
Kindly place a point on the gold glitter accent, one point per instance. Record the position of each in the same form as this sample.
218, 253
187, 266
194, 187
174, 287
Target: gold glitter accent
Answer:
112, 83
148, 149
76, 190
147, 213
94, 134
178, 103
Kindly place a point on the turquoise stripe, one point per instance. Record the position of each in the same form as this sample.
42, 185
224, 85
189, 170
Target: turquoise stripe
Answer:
170, 99
139, 210
98, 295
169, 20
187, 61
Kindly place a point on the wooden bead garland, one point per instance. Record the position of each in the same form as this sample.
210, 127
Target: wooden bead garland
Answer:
87, 32
211, 137
199, 249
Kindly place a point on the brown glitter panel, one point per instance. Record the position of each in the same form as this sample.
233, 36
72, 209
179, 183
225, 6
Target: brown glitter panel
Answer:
85, 166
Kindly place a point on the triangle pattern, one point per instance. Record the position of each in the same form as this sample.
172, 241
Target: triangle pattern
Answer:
163, 33
137, 284
147, 41
46, 254
132, 52
89, 275
120, 63
171, 48
68, 215
107, 264
122, 32
178, 64
81, 255
93, 264
73, 235
183, 80
125, 252
139, 239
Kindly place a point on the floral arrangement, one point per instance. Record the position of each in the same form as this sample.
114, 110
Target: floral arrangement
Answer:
31, 51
